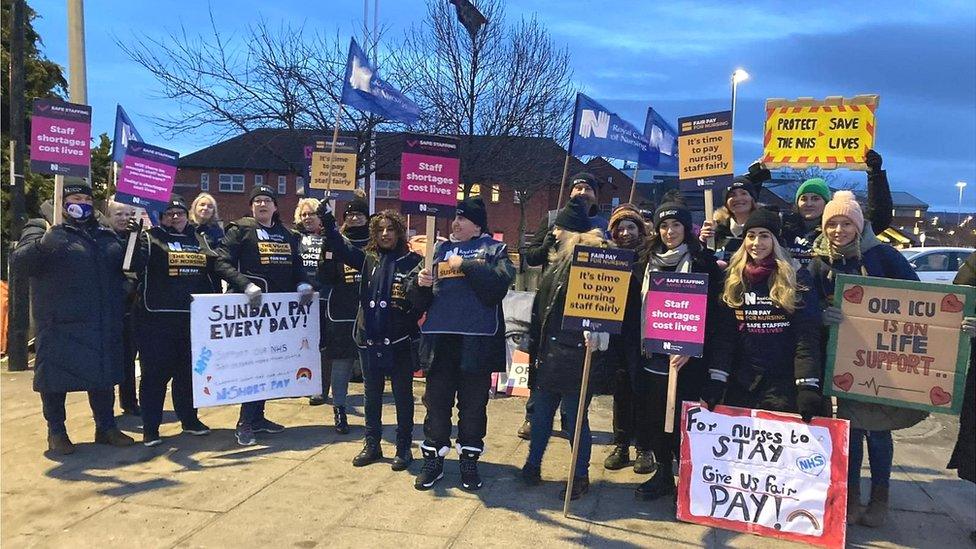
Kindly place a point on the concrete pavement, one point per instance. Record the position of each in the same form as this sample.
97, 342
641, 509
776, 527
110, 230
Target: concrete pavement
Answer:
299, 489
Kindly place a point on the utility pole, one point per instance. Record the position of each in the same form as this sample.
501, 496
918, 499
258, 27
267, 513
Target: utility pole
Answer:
18, 302
77, 81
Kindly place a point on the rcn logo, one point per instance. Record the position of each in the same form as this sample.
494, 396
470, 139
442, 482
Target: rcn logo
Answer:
594, 123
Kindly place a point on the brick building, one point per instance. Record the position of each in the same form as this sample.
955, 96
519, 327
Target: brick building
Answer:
230, 169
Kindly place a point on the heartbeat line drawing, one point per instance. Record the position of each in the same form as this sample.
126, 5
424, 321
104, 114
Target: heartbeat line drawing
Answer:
872, 384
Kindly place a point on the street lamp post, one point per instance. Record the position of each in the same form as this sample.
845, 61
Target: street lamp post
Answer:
961, 185
738, 76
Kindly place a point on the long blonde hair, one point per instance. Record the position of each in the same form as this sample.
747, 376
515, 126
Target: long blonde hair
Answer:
193, 209
783, 288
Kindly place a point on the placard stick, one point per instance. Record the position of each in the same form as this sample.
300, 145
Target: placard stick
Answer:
431, 240
709, 212
579, 428
58, 199
562, 182
672, 396
130, 248
633, 186
335, 137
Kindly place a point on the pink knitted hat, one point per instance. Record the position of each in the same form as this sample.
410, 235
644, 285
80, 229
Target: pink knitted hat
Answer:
844, 203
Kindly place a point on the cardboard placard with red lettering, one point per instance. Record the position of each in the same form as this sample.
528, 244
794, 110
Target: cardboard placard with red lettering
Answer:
430, 172
764, 473
900, 343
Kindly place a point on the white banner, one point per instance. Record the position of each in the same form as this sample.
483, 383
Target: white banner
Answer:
243, 353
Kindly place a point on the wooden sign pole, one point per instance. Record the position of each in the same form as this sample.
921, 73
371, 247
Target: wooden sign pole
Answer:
580, 410
709, 212
672, 396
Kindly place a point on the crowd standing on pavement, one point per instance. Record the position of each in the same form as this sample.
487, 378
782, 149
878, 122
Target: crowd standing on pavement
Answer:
385, 308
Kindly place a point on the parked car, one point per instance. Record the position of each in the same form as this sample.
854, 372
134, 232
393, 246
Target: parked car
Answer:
938, 264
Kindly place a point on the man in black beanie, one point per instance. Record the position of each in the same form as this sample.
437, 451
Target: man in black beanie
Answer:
462, 292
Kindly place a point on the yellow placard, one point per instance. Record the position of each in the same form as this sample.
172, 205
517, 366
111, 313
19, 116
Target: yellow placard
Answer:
343, 169
708, 154
834, 132
597, 293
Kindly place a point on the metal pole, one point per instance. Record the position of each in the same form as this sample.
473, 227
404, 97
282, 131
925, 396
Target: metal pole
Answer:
77, 81
734, 85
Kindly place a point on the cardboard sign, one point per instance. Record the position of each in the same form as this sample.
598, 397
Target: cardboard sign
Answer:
900, 343
517, 307
764, 473
705, 151
342, 168
835, 132
60, 138
243, 353
430, 172
147, 176
674, 313
597, 292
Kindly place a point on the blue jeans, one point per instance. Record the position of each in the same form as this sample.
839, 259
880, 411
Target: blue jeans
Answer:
881, 452
102, 404
543, 411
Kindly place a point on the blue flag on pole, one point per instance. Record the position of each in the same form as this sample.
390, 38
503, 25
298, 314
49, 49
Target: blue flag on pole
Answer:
125, 132
664, 139
365, 90
599, 132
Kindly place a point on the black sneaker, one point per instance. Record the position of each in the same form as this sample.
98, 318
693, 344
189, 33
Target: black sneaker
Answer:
470, 479
196, 428
402, 459
151, 438
432, 471
371, 453
245, 435
264, 425
618, 458
316, 400
581, 485
661, 484
525, 431
531, 474
644, 462
341, 420
60, 444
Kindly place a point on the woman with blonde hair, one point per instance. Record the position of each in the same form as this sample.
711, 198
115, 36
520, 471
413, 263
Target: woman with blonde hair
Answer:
741, 200
203, 214
766, 351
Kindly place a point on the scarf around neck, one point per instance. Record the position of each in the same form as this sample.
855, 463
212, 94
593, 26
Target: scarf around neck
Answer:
823, 248
735, 227
758, 272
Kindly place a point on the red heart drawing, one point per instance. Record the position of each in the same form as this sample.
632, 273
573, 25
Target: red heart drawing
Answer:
854, 294
845, 381
209, 378
951, 304
939, 397
206, 390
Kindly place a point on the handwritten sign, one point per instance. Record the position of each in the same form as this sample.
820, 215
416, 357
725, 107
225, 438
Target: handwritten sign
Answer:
430, 171
764, 473
705, 151
900, 343
243, 353
60, 138
674, 310
597, 292
835, 132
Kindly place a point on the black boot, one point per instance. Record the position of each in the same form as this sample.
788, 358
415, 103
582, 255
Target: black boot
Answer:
403, 457
341, 421
470, 479
661, 484
618, 458
371, 453
644, 462
433, 469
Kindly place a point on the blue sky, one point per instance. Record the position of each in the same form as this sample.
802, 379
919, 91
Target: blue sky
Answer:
920, 57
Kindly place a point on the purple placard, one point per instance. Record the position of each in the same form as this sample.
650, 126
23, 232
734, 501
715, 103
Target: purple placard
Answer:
60, 138
147, 176
430, 171
674, 313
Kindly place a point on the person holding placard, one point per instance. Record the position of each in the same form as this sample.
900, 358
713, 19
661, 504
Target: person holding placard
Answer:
844, 247
556, 356
766, 351
259, 254
673, 248
462, 292
77, 302
173, 262
802, 226
118, 218
741, 199
386, 325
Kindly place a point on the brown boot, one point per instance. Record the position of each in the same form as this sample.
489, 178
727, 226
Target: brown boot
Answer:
854, 506
113, 437
874, 516
60, 444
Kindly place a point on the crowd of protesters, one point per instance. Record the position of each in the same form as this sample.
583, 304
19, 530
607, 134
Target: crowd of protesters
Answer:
770, 303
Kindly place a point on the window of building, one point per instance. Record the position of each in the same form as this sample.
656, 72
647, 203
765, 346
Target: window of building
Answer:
517, 198
283, 185
475, 191
231, 183
918, 213
496, 193
259, 180
387, 189
205, 182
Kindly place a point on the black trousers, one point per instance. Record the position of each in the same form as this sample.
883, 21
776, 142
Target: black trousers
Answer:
690, 381
164, 347
447, 384
772, 394
401, 383
127, 389
631, 412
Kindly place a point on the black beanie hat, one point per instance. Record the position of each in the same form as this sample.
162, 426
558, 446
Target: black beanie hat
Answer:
357, 205
765, 219
673, 210
263, 190
741, 182
76, 188
574, 216
473, 209
176, 201
587, 178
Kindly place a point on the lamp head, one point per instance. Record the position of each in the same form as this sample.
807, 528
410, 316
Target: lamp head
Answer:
739, 76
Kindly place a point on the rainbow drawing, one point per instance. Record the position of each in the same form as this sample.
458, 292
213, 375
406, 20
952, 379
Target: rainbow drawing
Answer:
303, 373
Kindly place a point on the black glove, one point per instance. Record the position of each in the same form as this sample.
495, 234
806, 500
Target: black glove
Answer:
758, 173
549, 241
326, 216
133, 225
808, 402
712, 393
873, 160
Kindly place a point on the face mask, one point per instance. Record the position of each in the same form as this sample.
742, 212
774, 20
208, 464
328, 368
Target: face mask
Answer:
80, 212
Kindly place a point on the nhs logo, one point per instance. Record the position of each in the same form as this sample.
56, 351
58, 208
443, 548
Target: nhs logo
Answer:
594, 123
812, 464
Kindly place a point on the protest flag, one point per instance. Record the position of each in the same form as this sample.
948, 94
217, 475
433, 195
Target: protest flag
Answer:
469, 16
366, 91
125, 131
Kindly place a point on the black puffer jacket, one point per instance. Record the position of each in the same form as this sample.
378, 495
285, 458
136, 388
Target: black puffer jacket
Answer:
78, 302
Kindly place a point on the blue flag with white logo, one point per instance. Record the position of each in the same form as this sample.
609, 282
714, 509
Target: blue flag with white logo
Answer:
125, 131
599, 132
365, 90
664, 139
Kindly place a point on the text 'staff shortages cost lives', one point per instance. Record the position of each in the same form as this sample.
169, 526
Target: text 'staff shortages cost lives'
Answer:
430, 171
60, 138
